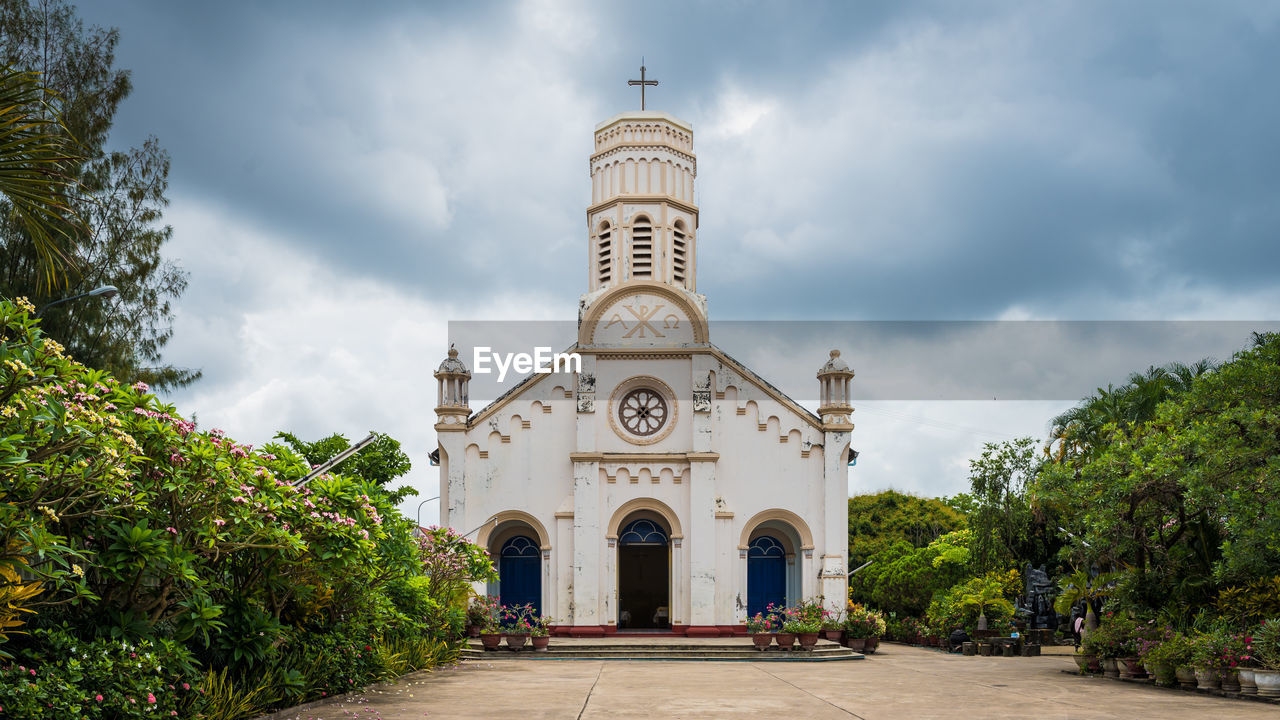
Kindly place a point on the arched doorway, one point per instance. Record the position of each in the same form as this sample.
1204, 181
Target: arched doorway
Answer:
520, 573
644, 575
766, 574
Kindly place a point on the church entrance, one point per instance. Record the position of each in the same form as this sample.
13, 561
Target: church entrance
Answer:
520, 573
644, 576
766, 574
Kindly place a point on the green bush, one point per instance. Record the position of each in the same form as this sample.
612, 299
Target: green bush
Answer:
71, 678
123, 525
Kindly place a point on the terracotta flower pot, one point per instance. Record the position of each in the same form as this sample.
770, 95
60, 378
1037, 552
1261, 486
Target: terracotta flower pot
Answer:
1186, 676
1268, 682
1208, 679
832, 635
762, 640
1095, 664
807, 641
1131, 667
1230, 680
540, 642
1110, 667
871, 644
786, 640
516, 641
473, 631
856, 644
1247, 685
491, 640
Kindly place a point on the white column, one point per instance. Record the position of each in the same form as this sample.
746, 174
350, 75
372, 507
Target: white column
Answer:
833, 549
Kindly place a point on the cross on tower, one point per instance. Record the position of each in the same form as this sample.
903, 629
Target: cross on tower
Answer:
642, 83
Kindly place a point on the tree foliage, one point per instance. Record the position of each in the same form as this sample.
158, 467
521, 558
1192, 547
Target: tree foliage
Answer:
1006, 529
120, 194
879, 521
1184, 495
904, 579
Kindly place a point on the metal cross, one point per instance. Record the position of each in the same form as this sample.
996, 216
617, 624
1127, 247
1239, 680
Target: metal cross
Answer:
642, 83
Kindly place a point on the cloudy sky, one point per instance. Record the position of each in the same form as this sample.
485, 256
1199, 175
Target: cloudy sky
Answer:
348, 178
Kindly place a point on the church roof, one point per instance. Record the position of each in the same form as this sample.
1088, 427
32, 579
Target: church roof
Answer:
723, 356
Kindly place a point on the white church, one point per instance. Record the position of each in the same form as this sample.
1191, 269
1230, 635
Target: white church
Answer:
664, 487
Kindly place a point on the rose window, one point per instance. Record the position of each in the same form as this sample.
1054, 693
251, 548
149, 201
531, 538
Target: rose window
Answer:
642, 412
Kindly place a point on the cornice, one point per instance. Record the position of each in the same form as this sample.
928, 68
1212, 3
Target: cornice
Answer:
626, 198
619, 147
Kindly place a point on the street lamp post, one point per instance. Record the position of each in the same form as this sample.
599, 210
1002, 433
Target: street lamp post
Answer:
102, 291
418, 520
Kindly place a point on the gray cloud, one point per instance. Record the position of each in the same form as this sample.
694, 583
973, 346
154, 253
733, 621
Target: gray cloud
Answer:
340, 170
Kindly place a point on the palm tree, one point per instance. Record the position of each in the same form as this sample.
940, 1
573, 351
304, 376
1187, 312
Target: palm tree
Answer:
38, 158
986, 595
1079, 586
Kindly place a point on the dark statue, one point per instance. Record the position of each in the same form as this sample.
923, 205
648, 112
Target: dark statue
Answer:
1036, 604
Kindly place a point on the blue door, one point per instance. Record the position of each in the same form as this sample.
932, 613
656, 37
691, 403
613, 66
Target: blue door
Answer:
766, 574
520, 573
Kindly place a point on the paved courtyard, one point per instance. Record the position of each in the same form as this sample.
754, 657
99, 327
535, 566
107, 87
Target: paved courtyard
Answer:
897, 682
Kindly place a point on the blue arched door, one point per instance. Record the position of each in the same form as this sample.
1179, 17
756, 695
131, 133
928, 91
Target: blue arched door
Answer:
766, 574
520, 573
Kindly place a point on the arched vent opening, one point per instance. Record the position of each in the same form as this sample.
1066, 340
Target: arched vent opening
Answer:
604, 253
642, 249
679, 253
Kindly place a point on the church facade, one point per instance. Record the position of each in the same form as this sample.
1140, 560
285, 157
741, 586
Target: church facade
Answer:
664, 485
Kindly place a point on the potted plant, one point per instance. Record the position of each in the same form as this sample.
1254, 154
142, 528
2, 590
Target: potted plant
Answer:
806, 622
1248, 665
761, 628
786, 638
1106, 644
515, 625
478, 613
1135, 636
490, 623
1206, 658
1163, 657
832, 628
540, 632
1266, 648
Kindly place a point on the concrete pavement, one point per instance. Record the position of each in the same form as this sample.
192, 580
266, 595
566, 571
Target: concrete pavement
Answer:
897, 682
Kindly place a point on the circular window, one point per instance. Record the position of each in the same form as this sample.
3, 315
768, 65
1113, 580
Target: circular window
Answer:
642, 412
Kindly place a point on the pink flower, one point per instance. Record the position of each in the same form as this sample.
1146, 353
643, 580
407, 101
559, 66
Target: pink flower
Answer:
98, 697
151, 698
141, 386
172, 530
219, 522
185, 686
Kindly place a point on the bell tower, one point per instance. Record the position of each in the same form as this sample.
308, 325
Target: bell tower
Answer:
642, 222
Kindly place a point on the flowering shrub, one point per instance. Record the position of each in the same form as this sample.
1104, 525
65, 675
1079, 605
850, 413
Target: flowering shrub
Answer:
863, 622
485, 613
1212, 651
126, 523
807, 617
71, 678
1174, 650
453, 563
762, 623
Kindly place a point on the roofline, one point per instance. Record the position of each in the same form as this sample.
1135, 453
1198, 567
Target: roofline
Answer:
708, 349
645, 115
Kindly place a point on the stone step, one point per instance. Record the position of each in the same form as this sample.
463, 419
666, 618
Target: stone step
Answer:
632, 649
